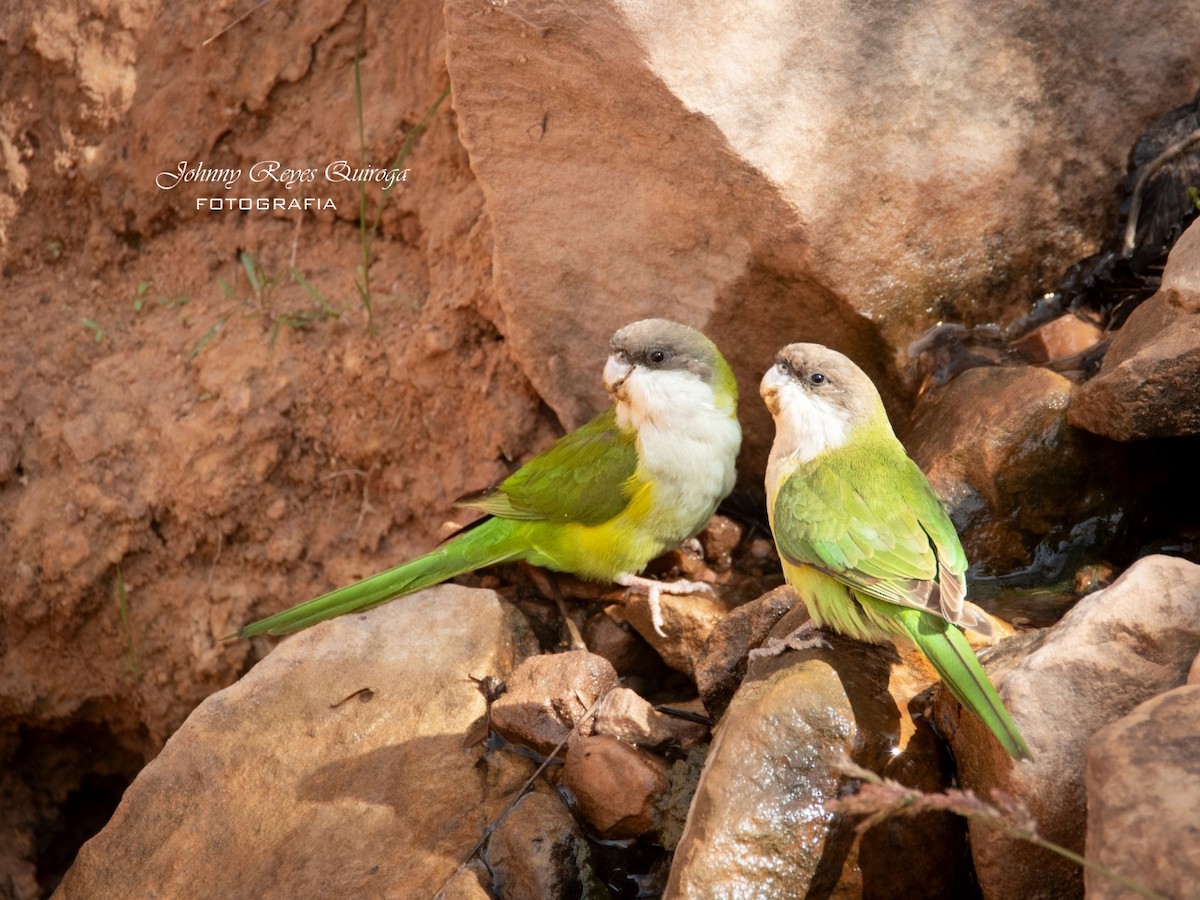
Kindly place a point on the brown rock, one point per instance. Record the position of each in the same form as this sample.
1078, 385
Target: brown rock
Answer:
1059, 338
901, 212
673, 807
335, 767
1147, 383
624, 715
617, 786
1143, 781
688, 619
548, 695
539, 851
722, 664
997, 448
1117, 648
719, 539
613, 638
471, 883
758, 824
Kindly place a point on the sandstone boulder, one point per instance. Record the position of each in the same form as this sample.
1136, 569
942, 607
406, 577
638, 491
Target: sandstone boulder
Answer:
1066, 336
335, 767
722, 664
617, 786
758, 175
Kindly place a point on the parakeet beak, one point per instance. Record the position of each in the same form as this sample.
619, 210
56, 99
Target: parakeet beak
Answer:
769, 388
615, 373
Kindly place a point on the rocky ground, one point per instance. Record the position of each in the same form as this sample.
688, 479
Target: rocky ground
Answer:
202, 421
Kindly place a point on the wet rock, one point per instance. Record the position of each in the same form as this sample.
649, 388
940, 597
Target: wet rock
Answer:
538, 850
548, 695
758, 821
673, 807
1143, 778
688, 619
616, 786
1059, 338
1146, 385
335, 767
997, 448
624, 715
1117, 648
722, 664
914, 168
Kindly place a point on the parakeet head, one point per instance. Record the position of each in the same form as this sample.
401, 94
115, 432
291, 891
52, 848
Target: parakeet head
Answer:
818, 397
656, 362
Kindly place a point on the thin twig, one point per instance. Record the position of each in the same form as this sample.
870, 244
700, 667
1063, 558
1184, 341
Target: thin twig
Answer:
881, 798
1149, 171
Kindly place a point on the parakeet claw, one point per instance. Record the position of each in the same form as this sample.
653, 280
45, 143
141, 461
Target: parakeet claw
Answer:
655, 589
806, 637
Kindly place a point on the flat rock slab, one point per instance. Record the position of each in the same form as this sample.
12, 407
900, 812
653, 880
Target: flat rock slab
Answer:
335, 768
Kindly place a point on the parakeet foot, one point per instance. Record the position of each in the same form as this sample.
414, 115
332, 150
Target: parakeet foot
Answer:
655, 589
807, 637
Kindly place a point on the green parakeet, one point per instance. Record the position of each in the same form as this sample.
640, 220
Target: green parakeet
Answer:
863, 538
636, 481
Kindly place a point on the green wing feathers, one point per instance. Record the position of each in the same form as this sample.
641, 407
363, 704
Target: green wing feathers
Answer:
869, 519
886, 536
946, 648
583, 478
491, 542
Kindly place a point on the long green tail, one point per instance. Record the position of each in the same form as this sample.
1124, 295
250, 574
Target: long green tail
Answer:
491, 542
946, 648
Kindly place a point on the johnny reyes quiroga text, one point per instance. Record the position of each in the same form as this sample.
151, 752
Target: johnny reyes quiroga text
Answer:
271, 171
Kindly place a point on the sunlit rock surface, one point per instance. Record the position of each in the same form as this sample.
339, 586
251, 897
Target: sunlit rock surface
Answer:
616, 786
624, 715
336, 767
769, 172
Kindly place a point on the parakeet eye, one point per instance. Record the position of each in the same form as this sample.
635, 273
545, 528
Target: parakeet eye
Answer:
657, 356
817, 378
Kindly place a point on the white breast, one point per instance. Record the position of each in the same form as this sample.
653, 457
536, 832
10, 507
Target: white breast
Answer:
805, 427
687, 445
